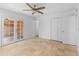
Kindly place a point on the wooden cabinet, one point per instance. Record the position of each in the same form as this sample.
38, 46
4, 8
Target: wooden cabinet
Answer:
8, 28
12, 31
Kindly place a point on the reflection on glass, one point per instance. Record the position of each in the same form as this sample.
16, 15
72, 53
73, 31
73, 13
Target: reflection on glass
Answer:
19, 29
9, 31
8, 28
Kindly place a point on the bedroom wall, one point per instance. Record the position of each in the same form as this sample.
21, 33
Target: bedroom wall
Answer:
28, 21
77, 30
58, 27
44, 27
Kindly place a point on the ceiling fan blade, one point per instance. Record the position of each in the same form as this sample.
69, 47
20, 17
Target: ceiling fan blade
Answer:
40, 8
27, 10
33, 13
40, 12
34, 6
29, 5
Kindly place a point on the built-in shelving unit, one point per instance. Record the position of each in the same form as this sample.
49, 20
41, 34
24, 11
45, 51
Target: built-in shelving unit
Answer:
19, 29
8, 28
12, 31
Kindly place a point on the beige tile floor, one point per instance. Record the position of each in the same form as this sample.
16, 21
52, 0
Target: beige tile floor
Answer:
38, 47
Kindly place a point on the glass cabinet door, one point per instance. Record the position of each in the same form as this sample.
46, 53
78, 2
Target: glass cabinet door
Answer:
11, 31
19, 29
8, 31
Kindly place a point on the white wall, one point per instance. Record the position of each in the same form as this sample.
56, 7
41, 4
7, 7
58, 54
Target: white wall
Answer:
28, 21
0, 31
58, 27
72, 29
44, 27
77, 29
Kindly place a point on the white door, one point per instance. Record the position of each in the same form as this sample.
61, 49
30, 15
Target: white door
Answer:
68, 30
60, 29
71, 33
54, 29
63, 29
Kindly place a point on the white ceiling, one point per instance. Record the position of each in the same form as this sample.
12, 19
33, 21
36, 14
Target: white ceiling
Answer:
50, 7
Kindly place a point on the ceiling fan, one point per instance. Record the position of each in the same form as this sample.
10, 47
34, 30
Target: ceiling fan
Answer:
34, 9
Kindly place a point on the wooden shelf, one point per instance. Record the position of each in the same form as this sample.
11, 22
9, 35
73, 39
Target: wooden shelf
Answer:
19, 29
8, 27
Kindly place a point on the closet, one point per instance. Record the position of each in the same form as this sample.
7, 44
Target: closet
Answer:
60, 28
63, 29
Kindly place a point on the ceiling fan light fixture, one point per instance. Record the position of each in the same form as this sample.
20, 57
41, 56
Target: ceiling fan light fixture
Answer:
35, 9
